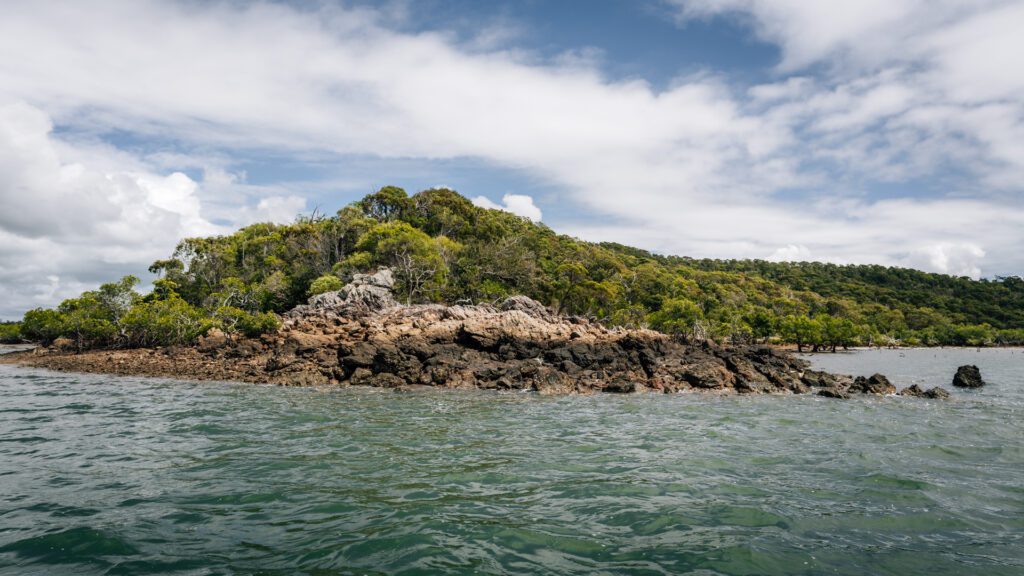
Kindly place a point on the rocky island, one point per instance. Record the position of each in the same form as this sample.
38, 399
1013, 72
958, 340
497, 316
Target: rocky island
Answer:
360, 335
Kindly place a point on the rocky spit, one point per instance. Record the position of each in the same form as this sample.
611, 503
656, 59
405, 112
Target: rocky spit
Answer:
361, 336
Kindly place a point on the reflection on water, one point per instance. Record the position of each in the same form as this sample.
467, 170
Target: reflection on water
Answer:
103, 475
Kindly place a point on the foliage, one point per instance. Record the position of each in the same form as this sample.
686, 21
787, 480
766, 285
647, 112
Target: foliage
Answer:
10, 332
164, 323
325, 283
443, 248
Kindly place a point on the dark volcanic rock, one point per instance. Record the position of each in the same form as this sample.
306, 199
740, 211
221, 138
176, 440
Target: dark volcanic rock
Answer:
876, 384
816, 379
917, 392
968, 377
913, 390
833, 393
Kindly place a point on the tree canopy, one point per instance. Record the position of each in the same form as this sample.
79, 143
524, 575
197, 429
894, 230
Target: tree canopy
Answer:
443, 248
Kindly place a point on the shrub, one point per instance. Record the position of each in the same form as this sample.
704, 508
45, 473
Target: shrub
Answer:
164, 323
253, 325
10, 333
232, 319
42, 325
325, 283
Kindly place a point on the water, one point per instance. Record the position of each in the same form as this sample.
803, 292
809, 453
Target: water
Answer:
103, 475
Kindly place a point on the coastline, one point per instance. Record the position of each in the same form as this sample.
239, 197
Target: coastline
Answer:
361, 336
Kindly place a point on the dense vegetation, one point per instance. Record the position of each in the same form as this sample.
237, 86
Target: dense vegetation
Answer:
10, 332
442, 248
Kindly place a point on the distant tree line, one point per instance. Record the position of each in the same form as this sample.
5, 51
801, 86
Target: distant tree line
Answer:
442, 248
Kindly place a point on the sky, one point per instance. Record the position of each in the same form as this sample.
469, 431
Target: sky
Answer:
849, 131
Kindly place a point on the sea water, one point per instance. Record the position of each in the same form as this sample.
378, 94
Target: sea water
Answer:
109, 475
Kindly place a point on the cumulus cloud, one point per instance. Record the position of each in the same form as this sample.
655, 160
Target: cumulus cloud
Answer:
791, 253
519, 204
74, 217
867, 92
948, 258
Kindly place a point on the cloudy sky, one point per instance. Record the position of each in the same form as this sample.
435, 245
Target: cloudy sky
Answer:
853, 131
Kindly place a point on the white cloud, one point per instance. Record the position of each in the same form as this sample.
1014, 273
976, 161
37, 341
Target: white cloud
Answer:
910, 90
278, 209
519, 204
791, 253
74, 217
946, 258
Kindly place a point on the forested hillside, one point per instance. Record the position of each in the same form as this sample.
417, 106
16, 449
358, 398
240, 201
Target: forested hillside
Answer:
443, 248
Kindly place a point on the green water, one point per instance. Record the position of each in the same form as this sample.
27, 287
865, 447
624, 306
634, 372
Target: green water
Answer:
102, 475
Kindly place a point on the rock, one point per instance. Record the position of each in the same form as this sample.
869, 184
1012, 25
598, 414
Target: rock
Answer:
365, 294
214, 340
968, 377
63, 344
708, 374
913, 390
748, 378
918, 392
876, 384
302, 343
526, 305
816, 379
833, 393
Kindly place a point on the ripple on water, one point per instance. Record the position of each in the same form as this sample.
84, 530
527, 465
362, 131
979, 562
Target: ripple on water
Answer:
128, 476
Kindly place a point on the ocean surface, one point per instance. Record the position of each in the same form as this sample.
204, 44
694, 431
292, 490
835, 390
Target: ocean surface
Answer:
107, 475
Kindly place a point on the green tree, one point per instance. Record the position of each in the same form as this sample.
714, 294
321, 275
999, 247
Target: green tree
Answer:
837, 332
800, 330
420, 263
679, 316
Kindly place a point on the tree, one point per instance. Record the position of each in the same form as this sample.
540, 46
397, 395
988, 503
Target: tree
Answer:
762, 323
678, 316
420, 262
800, 330
42, 325
387, 204
837, 332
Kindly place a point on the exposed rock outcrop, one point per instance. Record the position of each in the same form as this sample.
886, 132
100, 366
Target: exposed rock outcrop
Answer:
365, 294
876, 384
968, 377
360, 335
916, 391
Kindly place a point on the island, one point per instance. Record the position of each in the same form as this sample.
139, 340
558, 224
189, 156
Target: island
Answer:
405, 291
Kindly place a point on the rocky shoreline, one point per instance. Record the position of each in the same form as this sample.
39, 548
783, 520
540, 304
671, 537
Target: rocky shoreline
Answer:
359, 335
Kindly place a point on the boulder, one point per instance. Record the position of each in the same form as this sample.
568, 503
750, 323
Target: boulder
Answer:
876, 384
817, 379
365, 294
214, 340
913, 390
936, 393
968, 377
709, 374
526, 305
833, 393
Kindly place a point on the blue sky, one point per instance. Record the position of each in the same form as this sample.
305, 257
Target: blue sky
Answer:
849, 131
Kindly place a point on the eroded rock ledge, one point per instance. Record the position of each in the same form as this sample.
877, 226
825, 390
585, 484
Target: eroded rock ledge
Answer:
361, 336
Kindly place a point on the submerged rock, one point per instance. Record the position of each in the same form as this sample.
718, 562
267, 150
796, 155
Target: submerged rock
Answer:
968, 376
833, 393
876, 384
917, 392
